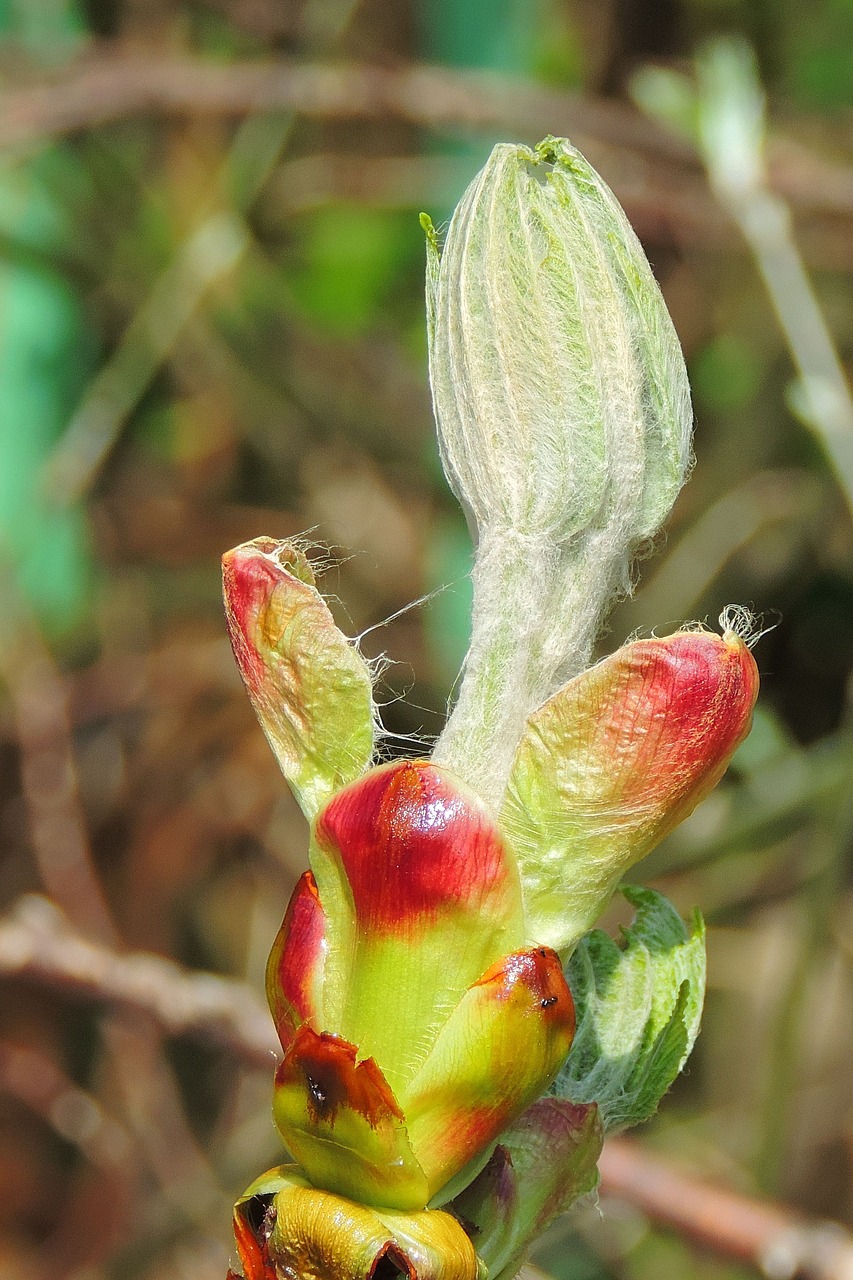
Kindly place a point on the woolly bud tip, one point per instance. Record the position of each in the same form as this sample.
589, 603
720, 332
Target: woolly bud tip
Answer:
564, 418
557, 378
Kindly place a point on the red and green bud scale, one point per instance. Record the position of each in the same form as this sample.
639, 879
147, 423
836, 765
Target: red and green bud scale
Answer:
417, 982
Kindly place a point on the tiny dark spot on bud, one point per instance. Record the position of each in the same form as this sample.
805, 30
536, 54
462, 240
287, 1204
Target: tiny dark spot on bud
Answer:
390, 1265
317, 1092
256, 1212
546, 1004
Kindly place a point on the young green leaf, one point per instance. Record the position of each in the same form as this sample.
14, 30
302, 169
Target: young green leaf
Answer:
544, 1162
638, 1008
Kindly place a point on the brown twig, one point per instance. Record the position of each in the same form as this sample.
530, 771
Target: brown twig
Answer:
38, 699
37, 943
43, 941
108, 1178
768, 1236
155, 1116
106, 85
36, 1081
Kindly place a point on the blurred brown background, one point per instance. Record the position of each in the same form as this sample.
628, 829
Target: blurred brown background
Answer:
211, 328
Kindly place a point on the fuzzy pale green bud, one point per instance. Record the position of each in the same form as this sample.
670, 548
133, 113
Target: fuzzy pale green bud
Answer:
553, 359
564, 419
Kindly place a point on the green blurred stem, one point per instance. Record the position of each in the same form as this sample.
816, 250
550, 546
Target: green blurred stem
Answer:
789, 1037
216, 247
732, 135
209, 253
823, 397
212, 250
732, 131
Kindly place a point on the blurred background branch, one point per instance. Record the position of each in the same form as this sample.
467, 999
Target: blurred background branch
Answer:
107, 85
36, 942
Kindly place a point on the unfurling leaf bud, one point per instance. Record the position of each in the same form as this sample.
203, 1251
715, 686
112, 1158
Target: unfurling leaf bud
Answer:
417, 980
564, 420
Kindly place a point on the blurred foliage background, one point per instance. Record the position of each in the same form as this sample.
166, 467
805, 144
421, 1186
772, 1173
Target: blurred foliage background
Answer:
212, 328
